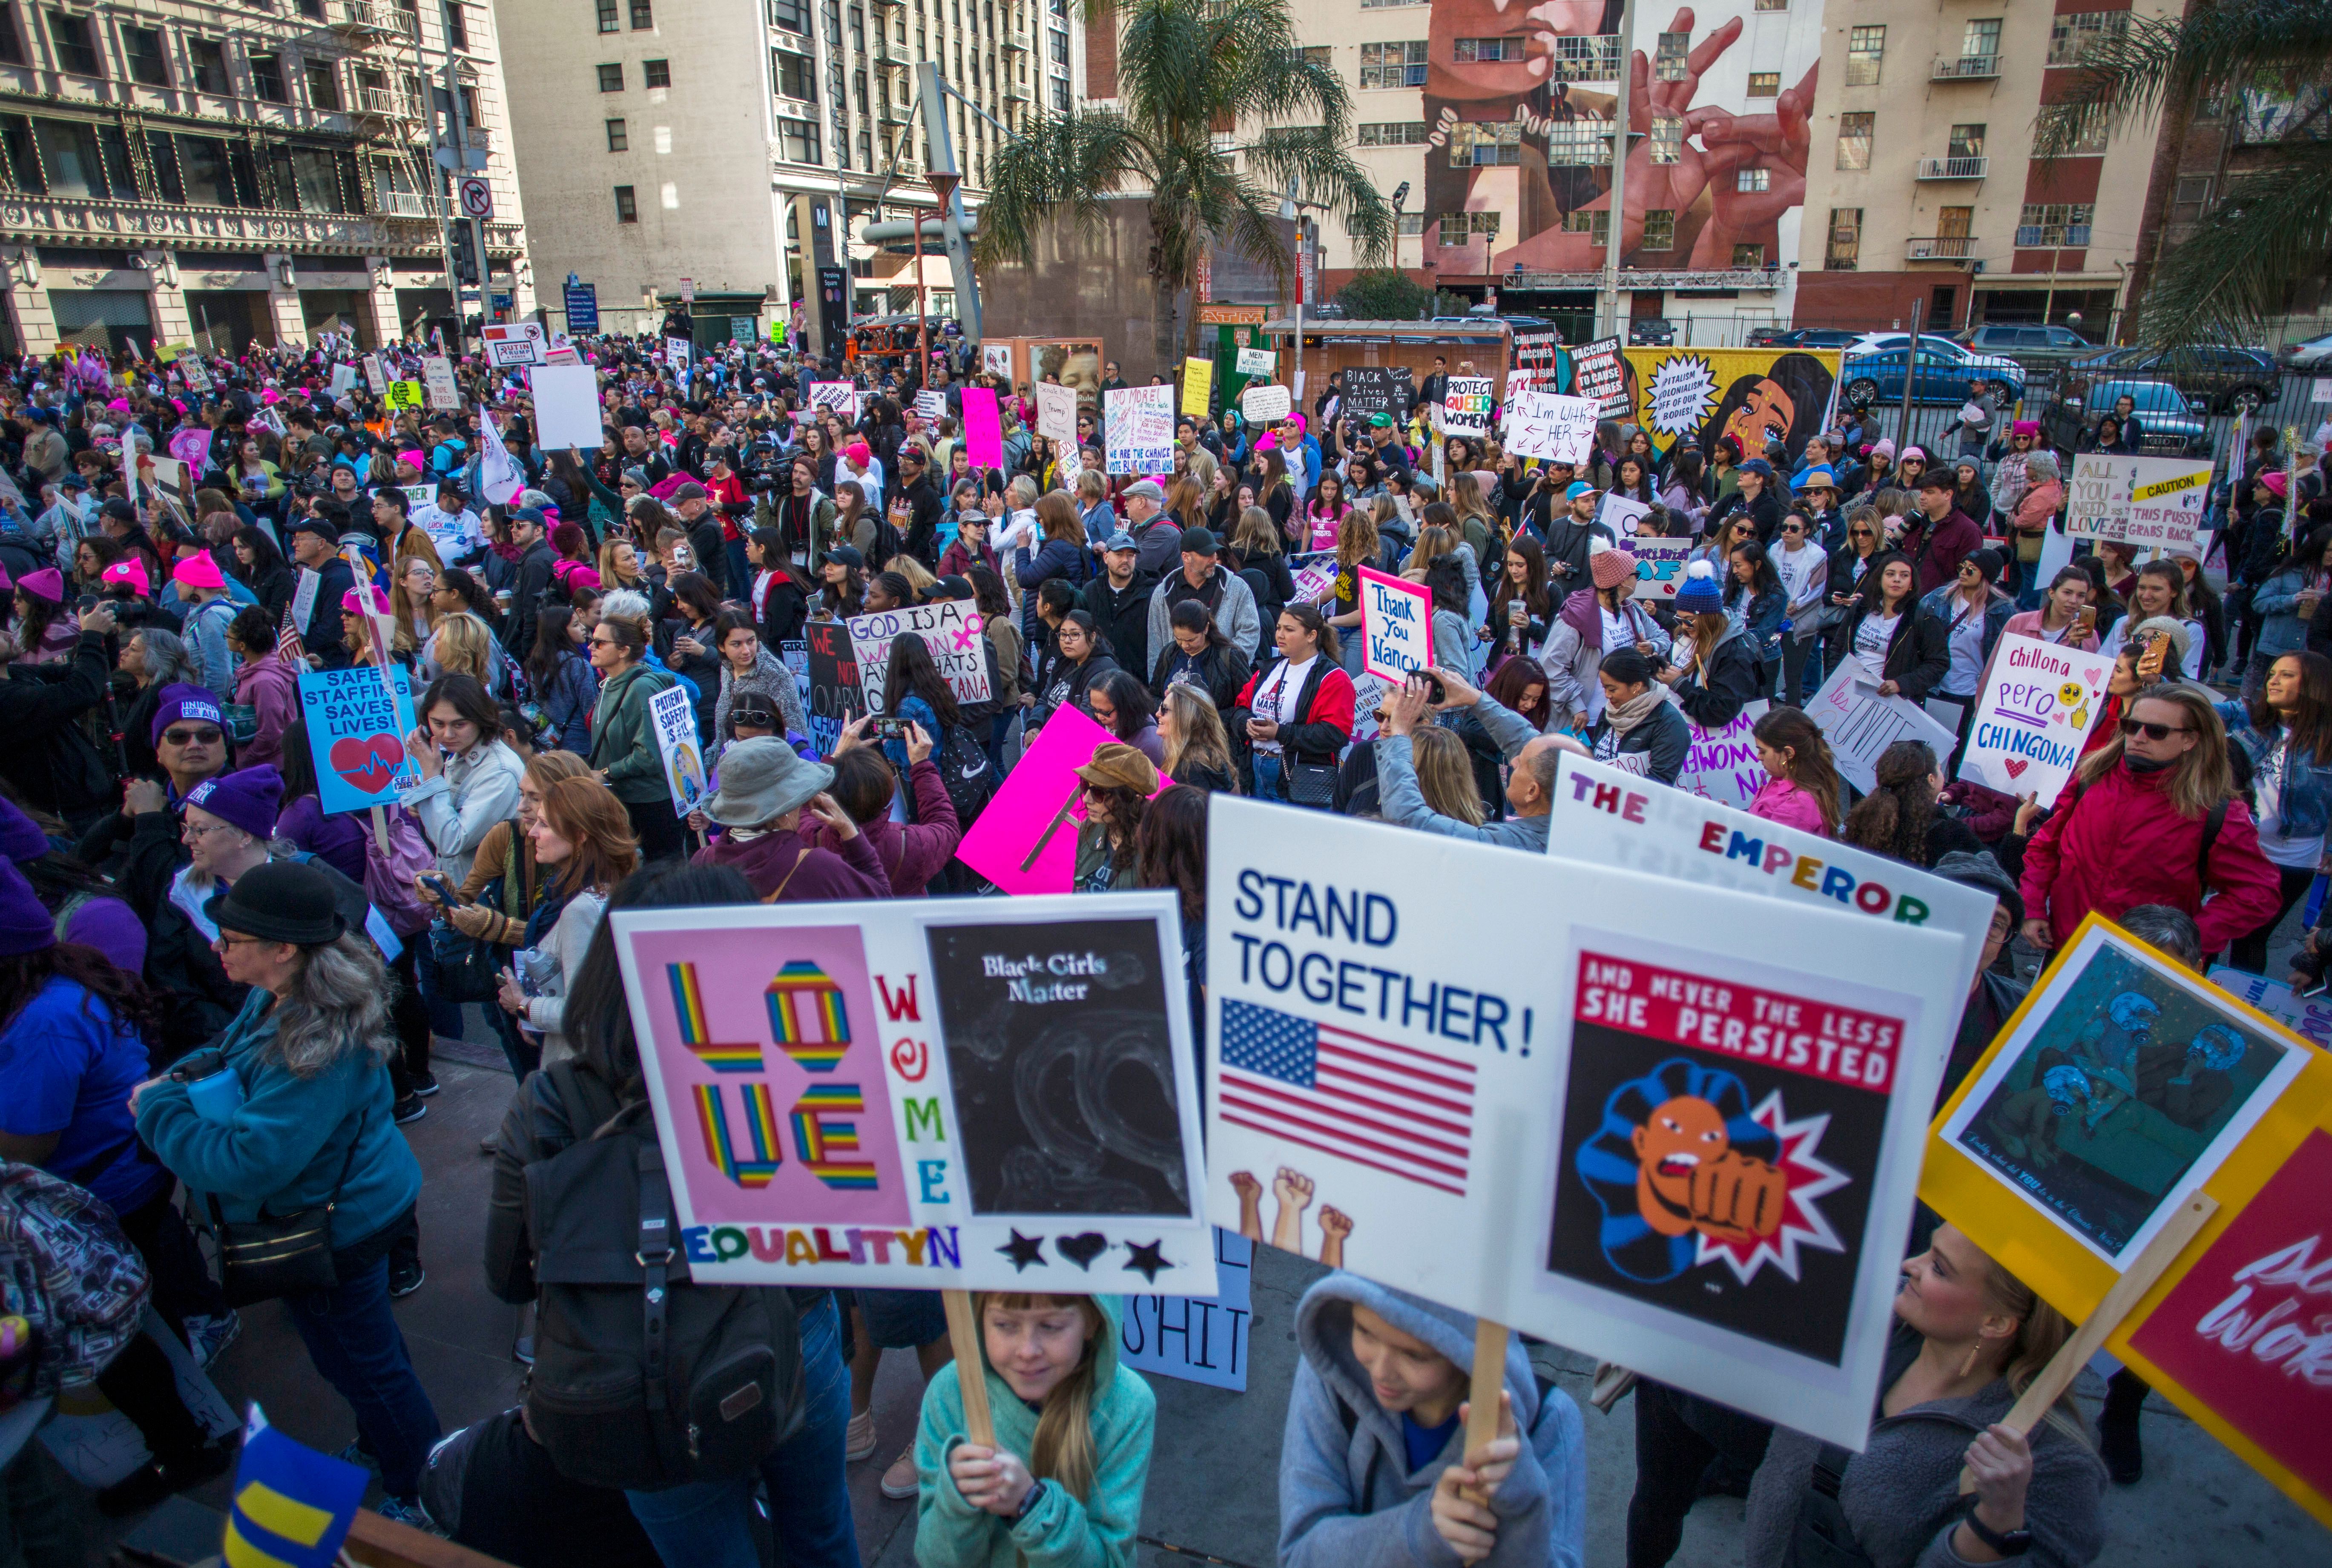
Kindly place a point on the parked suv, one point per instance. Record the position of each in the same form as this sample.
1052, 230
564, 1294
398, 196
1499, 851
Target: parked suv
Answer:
2230, 379
2029, 343
1651, 330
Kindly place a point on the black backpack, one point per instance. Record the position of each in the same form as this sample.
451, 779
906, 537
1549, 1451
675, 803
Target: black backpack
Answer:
964, 768
643, 1379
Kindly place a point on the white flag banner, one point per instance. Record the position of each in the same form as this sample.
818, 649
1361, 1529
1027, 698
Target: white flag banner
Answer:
499, 476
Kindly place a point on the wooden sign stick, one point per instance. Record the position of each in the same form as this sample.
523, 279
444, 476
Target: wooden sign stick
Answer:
1059, 818
380, 830
971, 1367
1489, 1383
2139, 1278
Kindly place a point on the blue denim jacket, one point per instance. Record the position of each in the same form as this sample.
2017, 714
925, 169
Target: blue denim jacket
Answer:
2274, 601
2304, 791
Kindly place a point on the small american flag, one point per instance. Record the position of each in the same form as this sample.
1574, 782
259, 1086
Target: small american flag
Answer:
288, 641
1406, 1112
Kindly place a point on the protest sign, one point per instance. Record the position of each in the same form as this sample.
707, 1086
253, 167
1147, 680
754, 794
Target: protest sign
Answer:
983, 427
375, 377
437, 376
567, 411
1141, 429
405, 395
356, 735
1413, 1096
1547, 425
2037, 706
1466, 406
1536, 351
197, 374
1198, 386
995, 359
1860, 725
2309, 1017
674, 718
838, 395
1601, 815
1597, 372
1620, 513
1660, 565
1256, 361
510, 343
1056, 411
1374, 389
1721, 764
1369, 693
1266, 405
949, 629
938, 1094
834, 698
500, 478
679, 354
1396, 625
1026, 839
2142, 500
933, 405
1197, 1338
344, 379
1317, 581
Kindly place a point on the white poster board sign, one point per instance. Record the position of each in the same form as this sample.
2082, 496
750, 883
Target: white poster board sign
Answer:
995, 359
1660, 565
2144, 500
1722, 765
437, 376
344, 379
674, 717
1385, 1074
1256, 361
933, 405
567, 411
1860, 725
512, 343
1466, 406
949, 629
1057, 412
375, 377
1266, 405
1620, 513
1550, 426
841, 396
2035, 712
1140, 422
1396, 625
2309, 1017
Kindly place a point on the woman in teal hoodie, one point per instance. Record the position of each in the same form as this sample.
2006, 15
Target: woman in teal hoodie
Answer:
305, 1123
1062, 1485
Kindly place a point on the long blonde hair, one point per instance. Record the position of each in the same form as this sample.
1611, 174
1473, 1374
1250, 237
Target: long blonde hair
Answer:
2201, 779
1358, 544
1064, 1451
1199, 733
2041, 1332
1445, 774
465, 646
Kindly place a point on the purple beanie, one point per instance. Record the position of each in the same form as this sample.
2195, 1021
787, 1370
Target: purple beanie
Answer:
250, 799
20, 838
183, 701
25, 924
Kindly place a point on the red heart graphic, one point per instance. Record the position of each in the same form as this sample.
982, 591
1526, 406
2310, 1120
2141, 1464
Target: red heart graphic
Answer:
368, 764
2014, 764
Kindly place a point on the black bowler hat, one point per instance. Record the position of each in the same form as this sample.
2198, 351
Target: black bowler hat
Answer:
281, 902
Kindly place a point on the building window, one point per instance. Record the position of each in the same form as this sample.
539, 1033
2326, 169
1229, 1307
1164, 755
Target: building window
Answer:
1489, 50
608, 15
210, 65
1765, 84
1394, 133
1596, 224
2194, 196
2054, 223
2087, 134
1482, 144
611, 78
2072, 37
267, 78
1864, 47
1756, 179
1457, 228
1854, 132
1773, 4
217, 173
1845, 239
1667, 138
795, 74
1058, 42
1392, 64
1749, 257
1980, 40
85, 160
457, 25
1578, 143
792, 15
323, 86
618, 138
1954, 223
143, 48
77, 46
1586, 59
1668, 64
1660, 230
657, 71
627, 206
1967, 142
643, 16
1061, 95
799, 140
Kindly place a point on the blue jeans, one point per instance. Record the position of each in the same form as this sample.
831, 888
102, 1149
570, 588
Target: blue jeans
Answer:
445, 1017
707, 1525
1270, 777
352, 1337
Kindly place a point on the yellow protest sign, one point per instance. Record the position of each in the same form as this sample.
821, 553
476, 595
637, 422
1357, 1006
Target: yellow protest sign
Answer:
404, 394
1197, 385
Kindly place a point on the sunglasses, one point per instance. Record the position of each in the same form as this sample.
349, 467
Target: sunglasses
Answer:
1859, 533
192, 737
2131, 726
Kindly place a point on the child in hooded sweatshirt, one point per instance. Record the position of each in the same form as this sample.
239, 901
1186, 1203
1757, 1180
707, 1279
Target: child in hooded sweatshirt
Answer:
1062, 1486
1372, 1472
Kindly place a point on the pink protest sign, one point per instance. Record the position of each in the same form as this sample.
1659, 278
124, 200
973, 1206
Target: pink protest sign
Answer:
1026, 840
1396, 625
983, 428
767, 1046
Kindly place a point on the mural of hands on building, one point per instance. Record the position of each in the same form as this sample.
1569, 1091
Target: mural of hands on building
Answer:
1518, 106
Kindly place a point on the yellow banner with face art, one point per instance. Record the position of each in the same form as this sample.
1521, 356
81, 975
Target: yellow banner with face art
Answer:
1694, 397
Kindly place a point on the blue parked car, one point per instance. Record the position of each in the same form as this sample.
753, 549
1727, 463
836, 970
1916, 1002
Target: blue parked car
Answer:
1872, 370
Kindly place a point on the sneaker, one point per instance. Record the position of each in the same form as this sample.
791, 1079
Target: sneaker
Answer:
404, 1277
491, 1145
156, 1479
208, 1336
523, 1350
423, 1083
858, 1442
408, 1512
900, 1481
408, 1109
354, 1454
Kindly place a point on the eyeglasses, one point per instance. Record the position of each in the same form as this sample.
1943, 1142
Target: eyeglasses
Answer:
199, 830
192, 737
223, 940
2131, 726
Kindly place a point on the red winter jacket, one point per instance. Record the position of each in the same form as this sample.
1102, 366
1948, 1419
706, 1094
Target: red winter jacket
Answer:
2120, 845
1323, 725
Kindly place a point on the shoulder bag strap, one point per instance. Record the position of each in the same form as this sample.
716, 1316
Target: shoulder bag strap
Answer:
778, 891
2210, 826
654, 1255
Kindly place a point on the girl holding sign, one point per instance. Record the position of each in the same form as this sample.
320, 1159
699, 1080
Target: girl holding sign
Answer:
1059, 1481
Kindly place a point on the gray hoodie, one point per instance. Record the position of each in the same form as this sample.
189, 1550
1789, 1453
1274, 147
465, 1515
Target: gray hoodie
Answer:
1347, 1498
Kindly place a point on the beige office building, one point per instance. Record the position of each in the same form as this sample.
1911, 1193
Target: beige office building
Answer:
696, 141
228, 174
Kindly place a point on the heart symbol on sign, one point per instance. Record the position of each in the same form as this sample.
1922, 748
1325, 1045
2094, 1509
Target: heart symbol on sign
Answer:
368, 763
2016, 767
1083, 1249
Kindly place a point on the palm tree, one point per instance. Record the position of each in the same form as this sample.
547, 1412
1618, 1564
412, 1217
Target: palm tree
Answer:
2271, 224
1188, 71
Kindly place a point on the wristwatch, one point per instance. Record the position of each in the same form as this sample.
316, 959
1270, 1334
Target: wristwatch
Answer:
1036, 1490
2007, 1542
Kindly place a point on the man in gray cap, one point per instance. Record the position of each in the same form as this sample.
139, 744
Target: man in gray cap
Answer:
765, 789
1119, 601
1226, 596
697, 514
1157, 536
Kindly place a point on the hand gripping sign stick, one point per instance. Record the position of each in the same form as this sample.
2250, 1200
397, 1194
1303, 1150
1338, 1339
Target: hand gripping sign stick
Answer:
971, 1367
2139, 1278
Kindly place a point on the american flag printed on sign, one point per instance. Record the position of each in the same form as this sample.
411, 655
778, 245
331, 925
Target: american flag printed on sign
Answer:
1393, 1108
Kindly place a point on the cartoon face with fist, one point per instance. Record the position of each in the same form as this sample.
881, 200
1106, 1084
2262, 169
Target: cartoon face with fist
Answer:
1692, 1180
1678, 1157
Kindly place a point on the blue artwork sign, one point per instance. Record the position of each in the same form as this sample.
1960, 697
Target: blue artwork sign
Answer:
356, 734
1197, 1338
